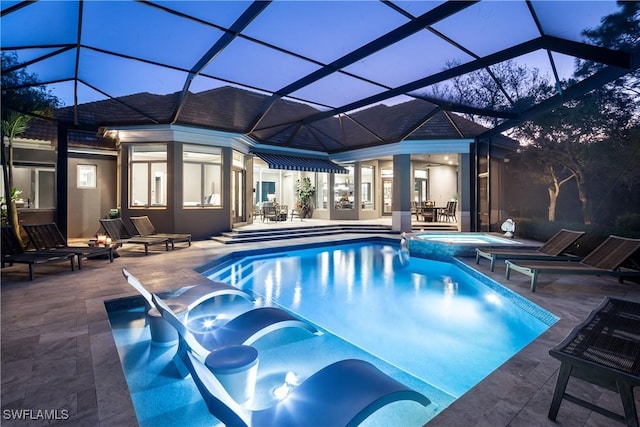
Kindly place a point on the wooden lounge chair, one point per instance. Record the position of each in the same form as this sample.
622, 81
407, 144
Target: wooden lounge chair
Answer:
14, 253
554, 248
145, 228
344, 393
605, 260
48, 237
120, 235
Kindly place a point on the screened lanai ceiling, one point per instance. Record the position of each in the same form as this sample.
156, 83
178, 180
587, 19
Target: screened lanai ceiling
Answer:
304, 73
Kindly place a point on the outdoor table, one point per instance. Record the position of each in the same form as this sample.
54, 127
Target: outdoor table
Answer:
603, 350
236, 367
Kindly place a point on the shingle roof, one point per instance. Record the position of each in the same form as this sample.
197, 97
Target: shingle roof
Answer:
238, 110
43, 130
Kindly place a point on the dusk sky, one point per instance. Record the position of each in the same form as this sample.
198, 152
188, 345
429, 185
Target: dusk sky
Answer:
319, 32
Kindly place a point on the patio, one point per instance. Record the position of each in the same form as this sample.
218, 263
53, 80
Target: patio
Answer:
58, 352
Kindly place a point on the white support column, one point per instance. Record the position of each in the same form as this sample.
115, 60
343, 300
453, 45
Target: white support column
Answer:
402, 189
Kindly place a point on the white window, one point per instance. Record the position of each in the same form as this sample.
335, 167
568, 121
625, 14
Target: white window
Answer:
322, 190
343, 196
202, 176
366, 176
86, 176
37, 186
148, 171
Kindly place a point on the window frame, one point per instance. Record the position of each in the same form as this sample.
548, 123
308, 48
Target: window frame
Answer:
149, 175
203, 175
91, 172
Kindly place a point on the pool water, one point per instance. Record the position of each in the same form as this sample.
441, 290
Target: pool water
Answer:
452, 329
446, 246
162, 399
437, 327
467, 238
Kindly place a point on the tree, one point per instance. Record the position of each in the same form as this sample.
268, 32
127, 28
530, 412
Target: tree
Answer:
19, 106
542, 169
620, 30
505, 86
585, 139
589, 136
573, 136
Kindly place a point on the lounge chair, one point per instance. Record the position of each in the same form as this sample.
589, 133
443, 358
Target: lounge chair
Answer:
605, 260
245, 329
120, 235
554, 248
343, 393
14, 253
145, 228
189, 299
48, 237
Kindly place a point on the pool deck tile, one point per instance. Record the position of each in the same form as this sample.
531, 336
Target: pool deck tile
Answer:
58, 351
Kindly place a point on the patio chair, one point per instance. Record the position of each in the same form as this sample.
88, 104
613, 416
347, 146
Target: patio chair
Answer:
605, 260
554, 248
48, 237
14, 253
145, 228
296, 212
449, 213
186, 301
270, 212
415, 210
120, 235
343, 393
245, 329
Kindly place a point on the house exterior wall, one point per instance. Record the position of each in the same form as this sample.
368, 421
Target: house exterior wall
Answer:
200, 222
87, 205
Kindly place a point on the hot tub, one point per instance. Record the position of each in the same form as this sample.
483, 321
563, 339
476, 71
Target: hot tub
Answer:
444, 246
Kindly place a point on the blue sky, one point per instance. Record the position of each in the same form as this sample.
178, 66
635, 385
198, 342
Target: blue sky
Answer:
318, 31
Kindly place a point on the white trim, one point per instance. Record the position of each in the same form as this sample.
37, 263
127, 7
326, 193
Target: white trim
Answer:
31, 144
423, 146
171, 133
290, 151
243, 144
93, 151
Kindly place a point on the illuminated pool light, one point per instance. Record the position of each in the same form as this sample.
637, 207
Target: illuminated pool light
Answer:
290, 382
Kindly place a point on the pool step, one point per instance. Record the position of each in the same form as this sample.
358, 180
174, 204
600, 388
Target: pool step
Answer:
277, 233
247, 236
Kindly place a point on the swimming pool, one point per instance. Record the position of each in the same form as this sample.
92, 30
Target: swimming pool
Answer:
450, 321
400, 317
445, 246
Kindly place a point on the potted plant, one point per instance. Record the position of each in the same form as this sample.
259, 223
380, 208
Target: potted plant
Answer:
304, 195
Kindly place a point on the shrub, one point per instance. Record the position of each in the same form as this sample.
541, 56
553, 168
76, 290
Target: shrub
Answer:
628, 225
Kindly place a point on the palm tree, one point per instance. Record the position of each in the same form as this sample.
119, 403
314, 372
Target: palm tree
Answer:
14, 125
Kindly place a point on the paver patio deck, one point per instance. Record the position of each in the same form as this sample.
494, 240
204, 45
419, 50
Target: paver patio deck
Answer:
58, 353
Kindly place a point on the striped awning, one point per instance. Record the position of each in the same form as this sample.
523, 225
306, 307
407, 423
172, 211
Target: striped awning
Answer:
300, 163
